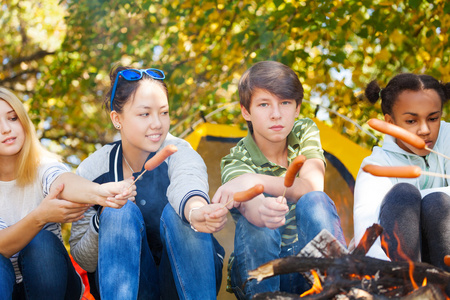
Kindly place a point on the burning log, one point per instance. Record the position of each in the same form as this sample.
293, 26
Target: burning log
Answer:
354, 272
350, 266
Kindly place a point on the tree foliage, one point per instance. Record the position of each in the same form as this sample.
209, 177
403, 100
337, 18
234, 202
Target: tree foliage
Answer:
60, 55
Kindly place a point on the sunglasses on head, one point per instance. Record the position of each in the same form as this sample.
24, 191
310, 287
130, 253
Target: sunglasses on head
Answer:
135, 74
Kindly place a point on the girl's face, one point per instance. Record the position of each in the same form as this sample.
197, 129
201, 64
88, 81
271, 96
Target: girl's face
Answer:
144, 119
418, 112
12, 134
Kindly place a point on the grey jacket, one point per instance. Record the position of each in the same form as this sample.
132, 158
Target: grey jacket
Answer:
186, 174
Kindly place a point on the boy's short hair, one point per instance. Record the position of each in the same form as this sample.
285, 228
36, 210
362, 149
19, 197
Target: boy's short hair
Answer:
274, 77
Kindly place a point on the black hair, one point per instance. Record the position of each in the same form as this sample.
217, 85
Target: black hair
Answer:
125, 89
405, 82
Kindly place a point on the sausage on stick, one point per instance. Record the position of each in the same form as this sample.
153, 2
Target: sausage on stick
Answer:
401, 134
447, 260
157, 159
399, 171
247, 194
292, 171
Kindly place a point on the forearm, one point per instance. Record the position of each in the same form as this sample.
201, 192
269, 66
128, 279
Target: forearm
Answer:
250, 210
16, 237
193, 203
77, 188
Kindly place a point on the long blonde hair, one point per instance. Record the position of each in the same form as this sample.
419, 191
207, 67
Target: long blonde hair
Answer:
32, 151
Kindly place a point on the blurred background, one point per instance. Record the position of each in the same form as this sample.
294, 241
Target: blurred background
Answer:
56, 56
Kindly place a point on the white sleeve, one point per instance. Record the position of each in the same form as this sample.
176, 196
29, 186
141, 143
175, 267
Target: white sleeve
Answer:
369, 193
3, 225
48, 172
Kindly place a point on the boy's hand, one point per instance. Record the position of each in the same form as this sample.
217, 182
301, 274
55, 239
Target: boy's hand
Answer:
53, 209
273, 211
209, 218
225, 193
116, 194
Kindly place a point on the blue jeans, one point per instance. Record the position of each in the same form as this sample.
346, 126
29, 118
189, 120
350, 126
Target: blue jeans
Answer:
196, 258
47, 271
127, 268
254, 246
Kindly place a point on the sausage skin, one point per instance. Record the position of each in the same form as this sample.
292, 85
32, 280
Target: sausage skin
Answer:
397, 132
293, 169
248, 194
159, 157
400, 171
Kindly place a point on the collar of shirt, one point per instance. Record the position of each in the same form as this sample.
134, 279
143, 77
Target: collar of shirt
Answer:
259, 158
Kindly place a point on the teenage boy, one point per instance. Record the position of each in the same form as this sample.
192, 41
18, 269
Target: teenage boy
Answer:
270, 226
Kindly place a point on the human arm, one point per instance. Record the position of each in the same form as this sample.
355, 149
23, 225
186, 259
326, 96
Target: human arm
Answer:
52, 209
82, 190
204, 217
188, 189
83, 241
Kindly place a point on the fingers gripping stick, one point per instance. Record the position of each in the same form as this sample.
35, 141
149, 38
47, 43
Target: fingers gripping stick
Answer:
292, 171
157, 159
247, 194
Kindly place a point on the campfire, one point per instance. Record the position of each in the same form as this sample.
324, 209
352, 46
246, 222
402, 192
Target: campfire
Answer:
337, 274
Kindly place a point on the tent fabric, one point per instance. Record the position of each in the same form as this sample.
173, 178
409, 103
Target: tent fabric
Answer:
343, 157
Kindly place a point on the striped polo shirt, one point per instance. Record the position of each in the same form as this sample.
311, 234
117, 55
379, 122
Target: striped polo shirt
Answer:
246, 157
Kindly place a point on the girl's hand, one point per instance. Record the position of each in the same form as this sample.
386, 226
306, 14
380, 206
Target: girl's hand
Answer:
53, 209
116, 194
273, 211
210, 218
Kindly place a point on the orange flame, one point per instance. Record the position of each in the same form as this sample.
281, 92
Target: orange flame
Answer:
317, 286
410, 262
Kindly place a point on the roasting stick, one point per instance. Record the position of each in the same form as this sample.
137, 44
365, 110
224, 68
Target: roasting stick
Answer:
247, 194
156, 160
292, 171
402, 134
400, 171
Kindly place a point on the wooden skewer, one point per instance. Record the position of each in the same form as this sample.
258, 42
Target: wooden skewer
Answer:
431, 150
223, 206
137, 178
435, 174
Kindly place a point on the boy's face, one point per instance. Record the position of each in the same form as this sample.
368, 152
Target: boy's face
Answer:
272, 118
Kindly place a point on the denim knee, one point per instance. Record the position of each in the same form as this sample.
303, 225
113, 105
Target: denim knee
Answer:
311, 200
42, 248
314, 212
129, 213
